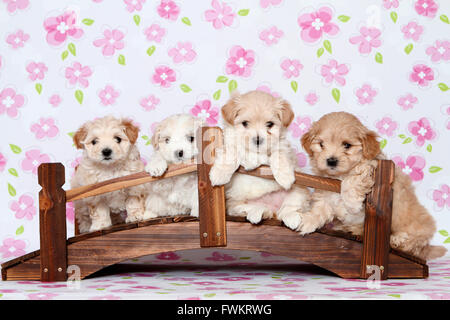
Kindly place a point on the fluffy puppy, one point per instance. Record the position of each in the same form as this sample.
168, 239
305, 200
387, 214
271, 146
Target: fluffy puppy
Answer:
255, 126
174, 142
109, 151
339, 146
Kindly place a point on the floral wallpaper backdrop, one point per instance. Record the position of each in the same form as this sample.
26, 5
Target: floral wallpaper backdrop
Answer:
64, 62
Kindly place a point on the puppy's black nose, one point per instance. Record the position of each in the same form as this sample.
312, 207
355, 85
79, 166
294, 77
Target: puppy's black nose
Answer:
258, 140
179, 153
106, 152
332, 162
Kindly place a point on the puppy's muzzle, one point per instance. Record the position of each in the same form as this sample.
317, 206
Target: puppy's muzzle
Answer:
107, 153
179, 154
258, 140
332, 162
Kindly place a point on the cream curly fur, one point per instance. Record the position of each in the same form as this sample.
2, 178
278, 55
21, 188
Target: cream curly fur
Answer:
341, 136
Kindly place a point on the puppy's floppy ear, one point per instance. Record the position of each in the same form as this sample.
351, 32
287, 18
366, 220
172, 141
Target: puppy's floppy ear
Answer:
131, 130
307, 140
371, 147
287, 115
79, 137
231, 109
156, 136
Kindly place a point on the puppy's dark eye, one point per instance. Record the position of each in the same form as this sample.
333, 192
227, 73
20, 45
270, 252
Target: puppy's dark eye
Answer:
167, 140
191, 139
245, 123
269, 124
118, 139
321, 144
94, 142
346, 145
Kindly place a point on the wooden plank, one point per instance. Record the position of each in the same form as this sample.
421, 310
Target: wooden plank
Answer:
211, 199
126, 182
301, 179
377, 223
52, 222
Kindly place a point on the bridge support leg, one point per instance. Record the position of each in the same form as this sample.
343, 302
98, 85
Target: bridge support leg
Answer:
52, 222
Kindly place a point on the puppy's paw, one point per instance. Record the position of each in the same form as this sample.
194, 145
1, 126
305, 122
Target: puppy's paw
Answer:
148, 214
156, 167
306, 226
250, 165
292, 220
218, 176
255, 217
285, 178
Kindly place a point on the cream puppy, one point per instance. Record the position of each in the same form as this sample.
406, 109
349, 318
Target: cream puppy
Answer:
109, 151
340, 147
255, 134
174, 142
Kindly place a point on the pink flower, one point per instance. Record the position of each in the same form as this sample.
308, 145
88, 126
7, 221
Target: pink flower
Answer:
368, 39
182, 52
133, 5
365, 94
168, 256
164, 76
45, 128
108, 95
412, 166
442, 196
334, 71
266, 89
24, 208
271, 35
291, 68
111, 42
217, 256
300, 126
388, 4
10, 101
426, 8
422, 130
315, 24
235, 278
221, 15
407, 102
33, 158
3, 162
266, 3
36, 70
204, 110
168, 9
421, 74
70, 212
155, 33
386, 126
149, 103
60, 27
55, 100
18, 39
412, 31
240, 62
106, 297
440, 52
311, 98
78, 74
13, 5
302, 159
12, 248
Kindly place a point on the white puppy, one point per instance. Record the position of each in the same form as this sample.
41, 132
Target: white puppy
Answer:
254, 135
174, 142
109, 151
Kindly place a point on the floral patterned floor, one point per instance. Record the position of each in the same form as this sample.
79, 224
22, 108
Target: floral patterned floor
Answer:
229, 274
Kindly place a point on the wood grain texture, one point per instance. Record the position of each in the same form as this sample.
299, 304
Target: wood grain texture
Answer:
52, 222
211, 199
377, 223
301, 179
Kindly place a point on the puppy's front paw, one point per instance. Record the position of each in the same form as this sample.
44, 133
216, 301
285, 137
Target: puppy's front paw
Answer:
156, 167
292, 220
218, 176
285, 178
255, 217
307, 225
149, 214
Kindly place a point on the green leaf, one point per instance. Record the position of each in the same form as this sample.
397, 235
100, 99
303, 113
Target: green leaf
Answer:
383, 143
72, 49
447, 240
185, 88
19, 230
145, 137
434, 169
394, 295
137, 19
336, 94
79, 96
320, 52
64, 55
71, 134
294, 85
443, 86
221, 79
343, 18
151, 50
88, 22
402, 136
209, 295
327, 46
379, 57
444, 19
394, 16
121, 59
186, 21
15, 149
232, 85
429, 148
13, 172
216, 95
243, 12
38, 87
407, 140
11, 190
443, 233
409, 48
